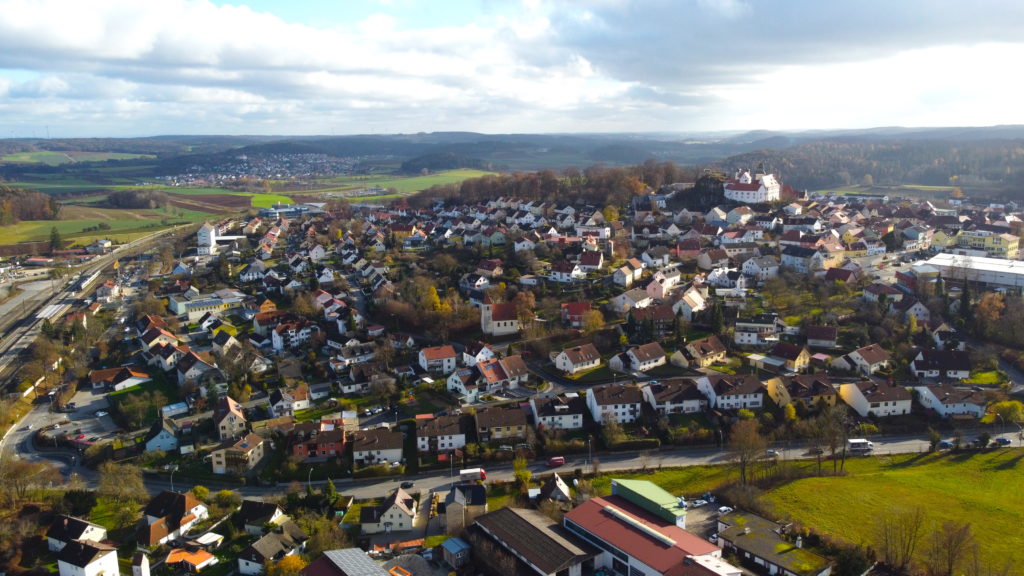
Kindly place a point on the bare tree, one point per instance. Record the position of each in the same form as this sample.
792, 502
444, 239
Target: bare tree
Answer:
948, 547
898, 536
746, 445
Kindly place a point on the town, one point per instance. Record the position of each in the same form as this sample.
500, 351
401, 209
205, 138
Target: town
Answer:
507, 350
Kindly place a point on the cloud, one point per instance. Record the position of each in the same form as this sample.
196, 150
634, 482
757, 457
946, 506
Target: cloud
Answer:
195, 66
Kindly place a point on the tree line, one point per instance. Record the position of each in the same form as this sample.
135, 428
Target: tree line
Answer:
17, 204
599, 185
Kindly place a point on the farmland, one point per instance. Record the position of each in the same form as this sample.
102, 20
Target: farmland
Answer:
403, 184
75, 220
53, 158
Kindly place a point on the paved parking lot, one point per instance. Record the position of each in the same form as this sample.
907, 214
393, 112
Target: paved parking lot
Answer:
87, 403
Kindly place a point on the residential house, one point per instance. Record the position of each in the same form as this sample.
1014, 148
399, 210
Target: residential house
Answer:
869, 398
663, 283
559, 412
456, 552
675, 396
493, 424
645, 357
578, 359
707, 351
796, 358
191, 368
951, 402
759, 541
565, 272
284, 540
64, 529
395, 514
691, 301
591, 261
630, 300
238, 457
162, 435
621, 402
316, 441
440, 435
169, 515
463, 504
375, 446
254, 516
117, 378
941, 364
812, 390
659, 320
86, 558
573, 313
438, 359
229, 418
286, 402
866, 360
759, 330
822, 336
733, 391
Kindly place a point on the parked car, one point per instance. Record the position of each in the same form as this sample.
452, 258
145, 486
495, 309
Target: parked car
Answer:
723, 510
816, 450
698, 503
408, 484
944, 445
101, 413
1003, 441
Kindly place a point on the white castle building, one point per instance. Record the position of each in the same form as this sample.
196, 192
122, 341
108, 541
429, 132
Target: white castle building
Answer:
760, 188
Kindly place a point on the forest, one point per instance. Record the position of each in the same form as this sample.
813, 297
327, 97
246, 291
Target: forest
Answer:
17, 204
599, 185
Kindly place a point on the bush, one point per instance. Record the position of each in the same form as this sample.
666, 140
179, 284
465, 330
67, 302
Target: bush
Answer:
637, 444
379, 471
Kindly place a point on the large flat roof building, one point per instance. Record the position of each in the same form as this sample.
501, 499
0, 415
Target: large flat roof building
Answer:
991, 272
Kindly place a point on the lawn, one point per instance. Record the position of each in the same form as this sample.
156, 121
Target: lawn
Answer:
970, 487
687, 481
989, 378
79, 224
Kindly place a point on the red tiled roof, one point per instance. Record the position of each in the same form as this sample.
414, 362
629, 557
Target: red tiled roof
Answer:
665, 556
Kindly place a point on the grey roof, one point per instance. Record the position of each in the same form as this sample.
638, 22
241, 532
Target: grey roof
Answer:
354, 562
81, 554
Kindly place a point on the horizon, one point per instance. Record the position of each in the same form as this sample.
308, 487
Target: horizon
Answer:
117, 68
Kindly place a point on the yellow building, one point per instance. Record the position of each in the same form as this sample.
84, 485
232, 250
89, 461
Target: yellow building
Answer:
994, 244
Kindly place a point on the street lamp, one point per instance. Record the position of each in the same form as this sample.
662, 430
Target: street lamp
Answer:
173, 469
590, 451
309, 483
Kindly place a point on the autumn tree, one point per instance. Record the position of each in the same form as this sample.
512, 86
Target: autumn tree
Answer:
525, 303
121, 483
987, 313
746, 445
521, 472
592, 321
287, 566
1009, 411
18, 476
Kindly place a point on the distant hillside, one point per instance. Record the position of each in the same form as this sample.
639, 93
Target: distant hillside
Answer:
442, 161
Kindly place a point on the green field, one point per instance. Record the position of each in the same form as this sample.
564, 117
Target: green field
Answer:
975, 487
404, 184
124, 224
54, 158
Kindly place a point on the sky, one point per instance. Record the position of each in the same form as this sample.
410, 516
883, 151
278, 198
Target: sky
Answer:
109, 68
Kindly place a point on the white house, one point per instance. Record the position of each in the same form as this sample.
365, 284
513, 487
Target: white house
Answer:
755, 189
869, 398
85, 558
65, 528
761, 267
395, 514
618, 401
866, 360
948, 401
438, 359
376, 446
561, 412
675, 396
733, 392
441, 434
578, 359
646, 356
941, 364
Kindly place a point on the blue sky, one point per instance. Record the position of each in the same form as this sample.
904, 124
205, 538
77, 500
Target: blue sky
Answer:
131, 68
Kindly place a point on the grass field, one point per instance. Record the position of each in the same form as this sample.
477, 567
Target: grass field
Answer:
404, 184
55, 158
74, 219
975, 487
